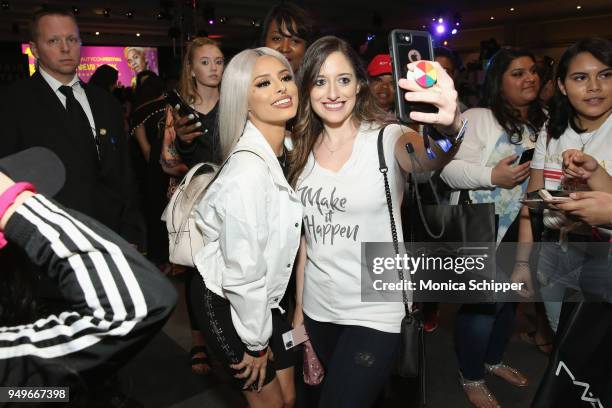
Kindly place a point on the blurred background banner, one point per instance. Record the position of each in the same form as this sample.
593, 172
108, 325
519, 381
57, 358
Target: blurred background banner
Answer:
128, 60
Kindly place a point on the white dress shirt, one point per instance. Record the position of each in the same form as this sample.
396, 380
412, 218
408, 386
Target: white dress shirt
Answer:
77, 90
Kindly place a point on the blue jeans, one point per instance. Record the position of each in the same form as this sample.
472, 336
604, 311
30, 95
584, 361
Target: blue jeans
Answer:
482, 331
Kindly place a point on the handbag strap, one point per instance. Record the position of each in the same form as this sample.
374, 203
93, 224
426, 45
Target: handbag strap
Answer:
414, 161
382, 166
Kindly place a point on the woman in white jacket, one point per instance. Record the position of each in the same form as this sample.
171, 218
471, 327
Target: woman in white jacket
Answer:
486, 165
251, 221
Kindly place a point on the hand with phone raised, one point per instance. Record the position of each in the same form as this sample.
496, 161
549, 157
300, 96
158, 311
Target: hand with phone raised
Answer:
441, 95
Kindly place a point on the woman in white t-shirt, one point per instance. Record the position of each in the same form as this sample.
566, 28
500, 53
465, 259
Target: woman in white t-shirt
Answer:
580, 126
486, 165
335, 169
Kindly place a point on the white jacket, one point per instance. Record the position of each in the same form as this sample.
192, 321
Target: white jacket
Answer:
251, 221
468, 168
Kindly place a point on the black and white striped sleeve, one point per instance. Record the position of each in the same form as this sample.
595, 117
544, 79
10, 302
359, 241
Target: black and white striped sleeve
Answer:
116, 300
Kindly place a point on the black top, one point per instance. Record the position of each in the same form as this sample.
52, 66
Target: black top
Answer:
205, 148
282, 160
101, 186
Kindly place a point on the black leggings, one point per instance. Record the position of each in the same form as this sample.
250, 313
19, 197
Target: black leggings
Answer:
190, 273
358, 362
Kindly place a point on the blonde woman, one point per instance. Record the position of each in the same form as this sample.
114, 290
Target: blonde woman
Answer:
251, 221
198, 133
196, 141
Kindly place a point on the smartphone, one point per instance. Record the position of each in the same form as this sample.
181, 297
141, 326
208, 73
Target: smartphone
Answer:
295, 337
406, 46
554, 196
174, 99
526, 156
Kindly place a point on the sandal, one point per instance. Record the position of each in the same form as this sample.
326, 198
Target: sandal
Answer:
530, 338
511, 375
478, 393
200, 365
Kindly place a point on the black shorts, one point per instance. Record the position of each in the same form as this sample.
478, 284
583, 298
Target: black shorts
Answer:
213, 318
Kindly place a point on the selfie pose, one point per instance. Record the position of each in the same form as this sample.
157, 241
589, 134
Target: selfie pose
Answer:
335, 155
251, 221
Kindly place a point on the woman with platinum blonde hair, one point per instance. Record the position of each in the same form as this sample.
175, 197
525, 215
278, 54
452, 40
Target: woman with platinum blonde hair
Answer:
251, 221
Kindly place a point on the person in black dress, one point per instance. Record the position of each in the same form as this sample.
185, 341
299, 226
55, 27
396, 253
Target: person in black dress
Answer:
197, 140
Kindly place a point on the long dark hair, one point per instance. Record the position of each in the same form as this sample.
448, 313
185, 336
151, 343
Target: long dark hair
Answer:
308, 126
493, 97
562, 113
285, 14
105, 77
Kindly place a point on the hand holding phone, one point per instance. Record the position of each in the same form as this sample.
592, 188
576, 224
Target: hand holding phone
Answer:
526, 156
436, 104
186, 124
553, 197
405, 47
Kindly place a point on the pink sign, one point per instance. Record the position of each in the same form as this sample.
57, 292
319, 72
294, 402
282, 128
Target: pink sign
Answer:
129, 61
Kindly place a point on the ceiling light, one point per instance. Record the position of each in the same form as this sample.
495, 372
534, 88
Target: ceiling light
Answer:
492, 18
137, 34
440, 20
5, 5
511, 8
578, 7
106, 12
97, 33
454, 31
445, 42
130, 14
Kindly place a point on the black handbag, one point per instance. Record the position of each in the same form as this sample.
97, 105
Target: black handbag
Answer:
579, 372
464, 222
412, 349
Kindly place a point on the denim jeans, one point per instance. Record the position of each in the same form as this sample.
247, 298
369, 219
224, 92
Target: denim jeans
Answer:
482, 331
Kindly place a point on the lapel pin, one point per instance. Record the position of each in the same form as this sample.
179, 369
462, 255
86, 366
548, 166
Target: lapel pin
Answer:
102, 132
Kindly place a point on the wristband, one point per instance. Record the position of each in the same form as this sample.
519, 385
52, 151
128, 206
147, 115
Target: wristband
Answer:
445, 142
8, 198
521, 262
256, 353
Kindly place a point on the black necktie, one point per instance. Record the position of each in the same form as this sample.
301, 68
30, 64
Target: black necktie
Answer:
78, 116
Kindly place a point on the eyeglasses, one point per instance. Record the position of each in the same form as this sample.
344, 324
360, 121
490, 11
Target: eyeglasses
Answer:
57, 42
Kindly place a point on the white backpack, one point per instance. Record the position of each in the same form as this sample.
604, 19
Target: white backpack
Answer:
185, 239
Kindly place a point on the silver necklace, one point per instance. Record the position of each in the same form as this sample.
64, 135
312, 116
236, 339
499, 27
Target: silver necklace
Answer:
588, 140
339, 146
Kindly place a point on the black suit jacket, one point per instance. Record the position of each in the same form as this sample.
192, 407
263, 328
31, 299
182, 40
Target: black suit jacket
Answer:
32, 115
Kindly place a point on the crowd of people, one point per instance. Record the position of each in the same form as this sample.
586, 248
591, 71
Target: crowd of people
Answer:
298, 125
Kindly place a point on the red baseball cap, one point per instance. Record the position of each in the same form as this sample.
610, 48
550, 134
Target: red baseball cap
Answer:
380, 65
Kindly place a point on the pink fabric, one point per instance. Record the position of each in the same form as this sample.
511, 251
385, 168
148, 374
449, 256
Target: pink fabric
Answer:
8, 198
313, 369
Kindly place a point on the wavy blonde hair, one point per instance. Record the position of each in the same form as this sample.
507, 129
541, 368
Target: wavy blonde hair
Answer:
233, 103
187, 84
